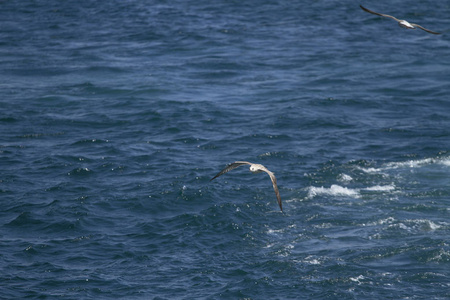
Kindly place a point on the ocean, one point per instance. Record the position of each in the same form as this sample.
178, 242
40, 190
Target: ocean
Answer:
114, 116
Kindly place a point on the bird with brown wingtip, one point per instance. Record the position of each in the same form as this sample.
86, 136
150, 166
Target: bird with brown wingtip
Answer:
254, 168
401, 23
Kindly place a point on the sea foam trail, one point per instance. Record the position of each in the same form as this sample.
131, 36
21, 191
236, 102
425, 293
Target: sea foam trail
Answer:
418, 163
337, 190
381, 188
334, 190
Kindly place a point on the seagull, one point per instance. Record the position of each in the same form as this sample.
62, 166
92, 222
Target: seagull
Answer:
254, 168
401, 23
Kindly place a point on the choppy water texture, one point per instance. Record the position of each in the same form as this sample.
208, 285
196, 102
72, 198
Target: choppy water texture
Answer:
115, 115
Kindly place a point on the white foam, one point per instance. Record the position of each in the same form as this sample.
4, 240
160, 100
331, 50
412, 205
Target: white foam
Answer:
381, 188
388, 220
411, 163
442, 255
419, 163
425, 224
281, 230
345, 178
446, 161
334, 190
415, 163
274, 231
411, 224
357, 279
433, 226
371, 170
311, 260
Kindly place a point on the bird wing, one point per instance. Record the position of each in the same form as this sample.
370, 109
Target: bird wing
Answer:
275, 186
231, 167
427, 30
378, 14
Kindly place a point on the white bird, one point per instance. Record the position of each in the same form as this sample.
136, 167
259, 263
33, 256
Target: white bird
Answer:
254, 168
401, 23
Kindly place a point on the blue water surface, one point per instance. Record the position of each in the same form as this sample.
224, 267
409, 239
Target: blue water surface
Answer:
114, 116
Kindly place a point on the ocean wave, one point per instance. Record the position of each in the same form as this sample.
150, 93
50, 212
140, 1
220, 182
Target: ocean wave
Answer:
415, 163
408, 225
334, 190
381, 188
419, 163
345, 178
337, 190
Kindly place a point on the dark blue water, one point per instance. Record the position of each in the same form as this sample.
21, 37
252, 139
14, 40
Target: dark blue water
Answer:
115, 115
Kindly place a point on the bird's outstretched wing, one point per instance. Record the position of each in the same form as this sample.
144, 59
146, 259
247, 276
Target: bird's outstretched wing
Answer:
378, 14
231, 167
427, 30
275, 187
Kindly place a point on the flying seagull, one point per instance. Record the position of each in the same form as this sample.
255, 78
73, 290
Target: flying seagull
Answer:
254, 168
401, 23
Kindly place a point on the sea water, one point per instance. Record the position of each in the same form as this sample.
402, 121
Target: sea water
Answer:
115, 115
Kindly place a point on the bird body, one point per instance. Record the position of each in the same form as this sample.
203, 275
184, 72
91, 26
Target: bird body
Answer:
405, 24
254, 168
